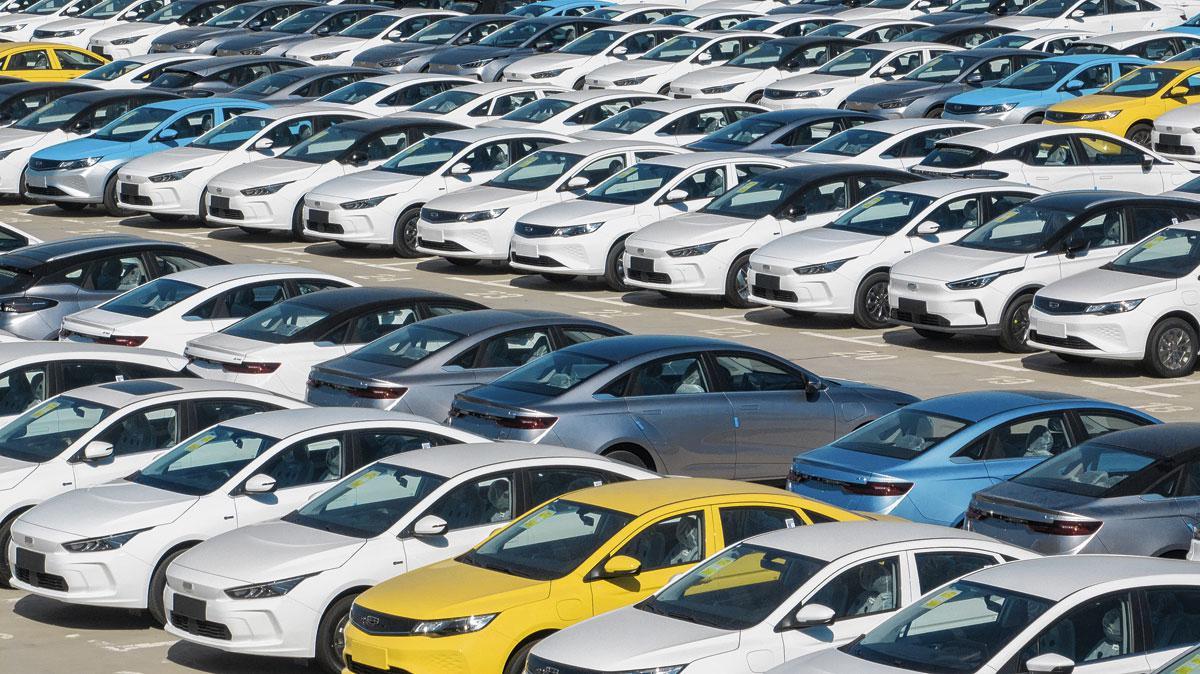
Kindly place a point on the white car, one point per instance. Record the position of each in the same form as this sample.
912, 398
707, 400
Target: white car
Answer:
1050, 40
654, 71
842, 267
708, 18
635, 12
19, 27
898, 143
1153, 45
371, 31
1094, 16
478, 103
100, 433
132, 38
774, 597
786, 25
1045, 615
673, 122
266, 194
567, 66
78, 31
135, 72
477, 223
985, 282
586, 236
870, 30
1053, 157
573, 111
830, 85
381, 206
396, 515
893, 9
708, 252
1175, 136
110, 545
275, 348
171, 183
170, 311
389, 94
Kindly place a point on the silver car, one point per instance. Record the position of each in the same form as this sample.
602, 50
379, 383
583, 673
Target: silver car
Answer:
679, 405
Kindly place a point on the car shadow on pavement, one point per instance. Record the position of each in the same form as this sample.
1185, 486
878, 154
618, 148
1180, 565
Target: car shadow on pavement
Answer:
204, 659
652, 299
959, 344
1049, 363
58, 614
436, 265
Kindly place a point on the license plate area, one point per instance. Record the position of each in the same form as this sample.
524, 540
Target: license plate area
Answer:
220, 202
33, 561
910, 305
190, 607
641, 264
1052, 329
319, 217
129, 190
1170, 139
767, 281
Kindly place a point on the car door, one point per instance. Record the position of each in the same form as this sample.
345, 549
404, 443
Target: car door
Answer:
1015, 446
1053, 163
137, 437
109, 276
472, 510
665, 547
1173, 620
1116, 165
954, 219
31, 64
862, 594
700, 186
1100, 635
1100, 238
300, 470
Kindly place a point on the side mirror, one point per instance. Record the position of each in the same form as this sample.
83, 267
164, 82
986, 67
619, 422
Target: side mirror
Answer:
675, 196
429, 525
974, 78
704, 57
97, 450
886, 71
924, 4
358, 159
263, 144
577, 183
460, 169
810, 615
1177, 92
814, 386
1077, 14
793, 213
259, 484
1147, 163
620, 51
1073, 85
927, 228
83, 126
620, 566
168, 134
1050, 663
1074, 248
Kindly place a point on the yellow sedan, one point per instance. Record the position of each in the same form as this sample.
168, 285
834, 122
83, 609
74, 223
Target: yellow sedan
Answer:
46, 62
1129, 106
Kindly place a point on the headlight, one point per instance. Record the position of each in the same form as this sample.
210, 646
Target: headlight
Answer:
692, 251
813, 93
1097, 116
675, 669
821, 267
978, 281
479, 216
364, 203
993, 109
631, 81
477, 64
898, 103
127, 40
1112, 307
275, 588
329, 56
170, 177
102, 543
264, 190
56, 33
391, 63
10, 28
452, 626
549, 73
718, 90
78, 163
577, 230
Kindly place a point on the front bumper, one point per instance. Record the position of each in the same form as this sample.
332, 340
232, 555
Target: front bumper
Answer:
776, 285
483, 652
1180, 144
364, 225
484, 240
79, 186
113, 578
580, 255
1015, 116
695, 275
228, 206
929, 304
1116, 336
178, 197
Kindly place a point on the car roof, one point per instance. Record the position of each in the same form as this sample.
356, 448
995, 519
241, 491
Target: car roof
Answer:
121, 393
470, 322
54, 251
342, 299
586, 95
485, 88
624, 347
690, 159
672, 105
584, 148
636, 27
637, 497
14, 88
184, 104
556, 20
1162, 440
207, 277
903, 124
285, 111
1058, 577
371, 124
714, 34
1079, 200
978, 405
996, 138
10, 351
1083, 59
807, 172
482, 133
898, 46
470, 456
308, 72
103, 95
802, 40
704, 12
834, 540
944, 187
284, 423
1125, 38
218, 63
805, 114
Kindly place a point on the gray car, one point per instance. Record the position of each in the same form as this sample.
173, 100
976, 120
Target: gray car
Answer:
304, 25
679, 405
237, 20
299, 85
412, 54
1132, 492
420, 367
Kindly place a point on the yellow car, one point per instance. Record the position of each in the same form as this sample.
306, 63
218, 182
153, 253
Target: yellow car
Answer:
46, 62
581, 554
1129, 106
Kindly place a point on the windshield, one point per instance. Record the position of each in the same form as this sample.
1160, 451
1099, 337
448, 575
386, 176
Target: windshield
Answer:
1025, 229
753, 198
1010, 41
353, 93
234, 16
232, 134
407, 346
765, 55
205, 461
850, 143
1038, 76
301, 22
592, 43
1141, 82
677, 49
883, 214
47, 430
172, 12
736, 589
277, 323
325, 146
110, 71
133, 125
369, 502
439, 32
945, 68
265, 86
634, 185
630, 121
1048, 9
854, 62
106, 9
424, 157
1172, 253
553, 374
679, 19
1090, 469
512, 35
539, 110
743, 132
46, 7
151, 298
842, 29
536, 172
956, 630
529, 11
444, 102
52, 116
903, 434
371, 26
970, 6
549, 542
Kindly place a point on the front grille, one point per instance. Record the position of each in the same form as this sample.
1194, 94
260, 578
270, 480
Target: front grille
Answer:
536, 665
1063, 342
436, 216
773, 294
374, 622
441, 245
1061, 116
648, 276
359, 668
44, 191
535, 231
1062, 307
391, 63
226, 52
324, 227
43, 164
919, 319
539, 261
134, 199
200, 628
779, 94
226, 213
1174, 149
962, 108
46, 581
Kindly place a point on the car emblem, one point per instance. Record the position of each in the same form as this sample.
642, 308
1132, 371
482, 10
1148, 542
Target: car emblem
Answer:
370, 620
28, 540
549, 670
1053, 305
188, 587
912, 286
766, 267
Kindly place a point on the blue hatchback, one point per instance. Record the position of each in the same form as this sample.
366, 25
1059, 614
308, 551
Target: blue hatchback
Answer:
84, 171
925, 461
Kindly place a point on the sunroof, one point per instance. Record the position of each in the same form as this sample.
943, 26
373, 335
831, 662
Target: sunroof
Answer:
141, 387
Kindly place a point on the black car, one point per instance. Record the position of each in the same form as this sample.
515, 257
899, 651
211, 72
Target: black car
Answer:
487, 59
782, 132
220, 75
412, 54
20, 98
967, 36
237, 20
299, 85
307, 24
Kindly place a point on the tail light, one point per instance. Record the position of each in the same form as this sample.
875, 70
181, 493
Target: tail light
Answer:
122, 341
974, 513
527, 423
877, 488
1065, 527
25, 305
379, 392
793, 476
250, 368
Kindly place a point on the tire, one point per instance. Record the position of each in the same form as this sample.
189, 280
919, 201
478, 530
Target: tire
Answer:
627, 457
404, 236
158, 584
516, 661
871, 302
298, 224
69, 207
1036, 118
110, 200
934, 113
202, 211
934, 335
737, 283
1072, 358
330, 638
665, 90
462, 261
796, 313
352, 245
1014, 325
578, 86
1171, 349
755, 97
1140, 134
614, 268
166, 217
5, 538
557, 278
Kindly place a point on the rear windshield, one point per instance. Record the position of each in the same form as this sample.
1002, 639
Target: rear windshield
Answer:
903, 434
175, 79
277, 324
151, 298
14, 280
955, 156
1090, 469
553, 374
407, 346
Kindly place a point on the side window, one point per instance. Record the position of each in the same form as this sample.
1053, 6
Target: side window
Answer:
306, 286
103, 114
1093, 8
1181, 483
639, 43
1054, 152
922, 144
548, 483
724, 50
1174, 617
140, 371
506, 104
375, 445
670, 376
601, 169
809, 134
998, 203
36, 59
1043, 435
905, 63
515, 348
1099, 151
116, 274
1150, 220
740, 523
1125, 68
193, 125
1099, 629
169, 263
376, 324
1124, 6
144, 431
444, 309
247, 300
868, 185
522, 148
1096, 424
291, 132
77, 373
745, 171
956, 215
307, 462
826, 197
477, 503
935, 569
11, 241
416, 93
749, 374
383, 146
211, 412
703, 122
581, 335
21, 388
738, 114
671, 542
489, 157
1095, 77
73, 60
1100, 231
1156, 50
865, 589
648, 155
703, 184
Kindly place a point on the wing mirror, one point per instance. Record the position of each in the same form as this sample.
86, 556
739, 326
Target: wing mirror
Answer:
168, 134
620, 566
813, 387
927, 228
1050, 663
1177, 92
97, 450
974, 78
886, 71
675, 196
1147, 163
704, 57
577, 183
460, 169
810, 615
83, 126
429, 526
924, 4
1073, 85
620, 51
1073, 248
358, 159
1077, 14
263, 144
260, 483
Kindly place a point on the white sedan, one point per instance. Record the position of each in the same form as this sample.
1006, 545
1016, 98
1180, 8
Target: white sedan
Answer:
674, 122
396, 515
587, 236
842, 267
19, 27
371, 31
747, 75
1094, 16
388, 94
567, 66
573, 111
135, 72
893, 9
381, 206
477, 223
110, 545
132, 38
1175, 136
478, 103
172, 310
830, 85
77, 31
673, 59
898, 143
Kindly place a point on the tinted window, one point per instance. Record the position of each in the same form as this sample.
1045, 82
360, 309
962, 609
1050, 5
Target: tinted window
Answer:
1099, 629
865, 589
211, 412
144, 431
308, 462
740, 523
747, 373
935, 569
476, 503
671, 542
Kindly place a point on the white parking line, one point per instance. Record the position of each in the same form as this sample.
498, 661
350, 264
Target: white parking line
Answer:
477, 281
999, 364
1133, 389
125, 648
601, 300
1172, 384
818, 335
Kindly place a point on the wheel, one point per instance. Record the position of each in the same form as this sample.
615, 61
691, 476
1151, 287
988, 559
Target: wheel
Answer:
737, 283
1014, 325
1037, 118
202, 210
298, 224
1072, 358
935, 335
352, 245
516, 661
22, 185
934, 113
1140, 134
614, 268
166, 217
1171, 349
331, 635
796, 313
627, 456
5, 538
557, 278
578, 86
871, 302
462, 261
158, 585
754, 97
110, 200
404, 238
69, 207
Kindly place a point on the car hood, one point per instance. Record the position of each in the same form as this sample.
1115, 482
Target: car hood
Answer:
264, 170
387, 51
324, 45
1181, 116
629, 69
480, 198
177, 159
817, 245
81, 148
715, 75
834, 661
365, 184
129, 29
14, 139
73, 22
195, 33
1098, 102
450, 588
690, 229
99, 321
226, 348
541, 62
1019, 22
951, 263
270, 551
631, 639
887, 91
261, 39
577, 211
12, 471
998, 95
109, 509
460, 55
1104, 285
812, 81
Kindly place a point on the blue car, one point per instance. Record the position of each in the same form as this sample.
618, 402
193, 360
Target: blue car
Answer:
80, 172
1022, 98
925, 461
558, 8
1191, 26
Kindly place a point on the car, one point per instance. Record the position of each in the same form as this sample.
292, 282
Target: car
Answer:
925, 461
394, 516
550, 8
46, 61
44, 282
370, 31
78, 30
307, 24
894, 143
1110, 16
1024, 96
219, 76
135, 72
965, 35
781, 132
477, 223
133, 38
168, 312
654, 71
101, 432
301, 85
18, 28
487, 59
239, 19
984, 283
673, 122
714, 18
853, 574
383, 205
890, 9
975, 10
634, 12
84, 171
586, 236
275, 347
240, 197
419, 368
923, 92
20, 98
1178, 665
12, 238
15, 6
830, 85
387, 94
1042, 615
747, 75
879, 30
785, 25
568, 65
572, 111
476, 104
1054, 41
606, 396
707, 252
413, 54
842, 267
238, 472
1152, 45
594, 550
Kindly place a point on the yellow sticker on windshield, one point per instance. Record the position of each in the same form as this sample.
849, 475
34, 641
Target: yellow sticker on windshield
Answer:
1189, 666
364, 478
716, 567
45, 409
941, 598
1005, 216
1155, 241
872, 201
199, 442
535, 519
